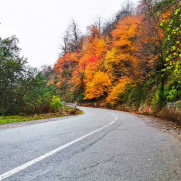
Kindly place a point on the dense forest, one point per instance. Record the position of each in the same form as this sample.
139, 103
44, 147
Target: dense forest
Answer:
132, 61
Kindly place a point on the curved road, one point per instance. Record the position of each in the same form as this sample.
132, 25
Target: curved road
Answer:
100, 145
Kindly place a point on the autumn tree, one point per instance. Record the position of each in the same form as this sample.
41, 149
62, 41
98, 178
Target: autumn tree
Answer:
114, 96
120, 60
98, 86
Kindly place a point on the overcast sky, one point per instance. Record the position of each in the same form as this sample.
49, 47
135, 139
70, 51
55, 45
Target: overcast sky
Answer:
40, 24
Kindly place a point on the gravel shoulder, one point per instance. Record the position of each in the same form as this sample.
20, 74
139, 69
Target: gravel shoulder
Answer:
163, 125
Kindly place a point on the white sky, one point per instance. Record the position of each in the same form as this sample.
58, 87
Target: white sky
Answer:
40, 24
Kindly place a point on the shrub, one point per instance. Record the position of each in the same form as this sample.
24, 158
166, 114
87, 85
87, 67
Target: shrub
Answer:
56, 104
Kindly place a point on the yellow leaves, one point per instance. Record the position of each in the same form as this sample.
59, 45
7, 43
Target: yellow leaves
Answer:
117, 90
98, 86
96, 47
119, 62
125, 31
89, 75
100, 47
116, 57
58, 84
122, 43
112, 57
121, 59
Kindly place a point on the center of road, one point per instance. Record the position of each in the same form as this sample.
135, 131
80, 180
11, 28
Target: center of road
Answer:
42, 157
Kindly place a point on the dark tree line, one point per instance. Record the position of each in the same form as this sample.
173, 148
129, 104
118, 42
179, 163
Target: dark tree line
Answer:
23, 89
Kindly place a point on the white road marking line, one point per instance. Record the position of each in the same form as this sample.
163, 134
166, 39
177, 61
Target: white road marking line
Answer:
38, 159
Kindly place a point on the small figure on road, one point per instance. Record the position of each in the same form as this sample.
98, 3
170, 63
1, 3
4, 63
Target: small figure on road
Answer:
95, 104
75, 105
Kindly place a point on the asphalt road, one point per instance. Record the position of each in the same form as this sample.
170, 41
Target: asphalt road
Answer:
100, 145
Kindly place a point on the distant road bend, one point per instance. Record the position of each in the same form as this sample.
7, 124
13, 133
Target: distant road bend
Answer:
100, 145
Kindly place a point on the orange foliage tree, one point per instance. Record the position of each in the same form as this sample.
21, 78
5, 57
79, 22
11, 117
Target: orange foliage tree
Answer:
124, 35
105, 63
116, 91
98, 86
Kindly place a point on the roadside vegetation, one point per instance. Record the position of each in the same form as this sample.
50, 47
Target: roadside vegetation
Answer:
131, 62
23, 90
65, 111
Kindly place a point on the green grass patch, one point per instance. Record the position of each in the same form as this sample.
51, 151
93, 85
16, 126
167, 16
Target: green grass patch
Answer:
66, 111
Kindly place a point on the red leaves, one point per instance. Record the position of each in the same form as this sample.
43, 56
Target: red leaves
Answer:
94, 59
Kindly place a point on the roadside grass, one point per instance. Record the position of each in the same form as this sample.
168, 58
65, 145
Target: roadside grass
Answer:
65, 111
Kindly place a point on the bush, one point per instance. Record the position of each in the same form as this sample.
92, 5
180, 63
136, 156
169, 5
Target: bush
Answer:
56, 104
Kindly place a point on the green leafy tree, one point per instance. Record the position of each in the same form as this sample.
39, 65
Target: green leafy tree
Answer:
23, 90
